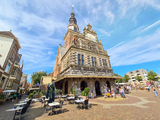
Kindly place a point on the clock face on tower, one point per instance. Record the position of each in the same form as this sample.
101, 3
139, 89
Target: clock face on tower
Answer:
71, 27
90, 37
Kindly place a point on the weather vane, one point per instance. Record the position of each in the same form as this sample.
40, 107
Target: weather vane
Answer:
72, 7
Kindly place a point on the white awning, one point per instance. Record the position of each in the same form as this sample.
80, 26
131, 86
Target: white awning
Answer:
9, 91
21, 88
34, 88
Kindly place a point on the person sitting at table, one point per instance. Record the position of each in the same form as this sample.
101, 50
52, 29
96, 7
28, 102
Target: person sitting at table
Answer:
14, 97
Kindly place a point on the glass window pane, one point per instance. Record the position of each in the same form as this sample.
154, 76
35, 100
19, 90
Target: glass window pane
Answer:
92, 64
82, 57
79, 62
94, 59
82, 62
95, 64
78, 56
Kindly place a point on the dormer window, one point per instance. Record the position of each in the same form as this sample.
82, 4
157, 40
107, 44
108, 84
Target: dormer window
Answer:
80, 59
104, 63
75, 29
93, 61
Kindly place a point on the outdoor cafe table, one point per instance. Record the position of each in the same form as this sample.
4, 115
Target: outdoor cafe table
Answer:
20, 104
79, 102
53, 105
70, 99
17, 108
24, 101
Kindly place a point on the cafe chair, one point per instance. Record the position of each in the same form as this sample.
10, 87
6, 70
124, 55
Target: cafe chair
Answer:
20, 113
61, 104
86, 104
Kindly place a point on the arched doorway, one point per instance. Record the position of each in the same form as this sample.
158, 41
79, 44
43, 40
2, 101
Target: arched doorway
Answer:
66, 87
83, 85
97, 88
61, 86
108, 84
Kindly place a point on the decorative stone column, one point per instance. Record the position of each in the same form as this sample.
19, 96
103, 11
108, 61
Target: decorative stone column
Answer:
63, 87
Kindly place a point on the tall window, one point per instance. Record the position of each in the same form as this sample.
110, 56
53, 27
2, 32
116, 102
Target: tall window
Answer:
7, 68
104, 63
80, 59
93, 61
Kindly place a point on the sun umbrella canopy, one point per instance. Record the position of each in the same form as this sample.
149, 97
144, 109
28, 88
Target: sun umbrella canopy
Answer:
9, 91
53, 91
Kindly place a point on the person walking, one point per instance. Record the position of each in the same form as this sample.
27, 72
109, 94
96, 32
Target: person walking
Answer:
92, 93
155, 92
105, 92
112, 92
136, 87
122, 92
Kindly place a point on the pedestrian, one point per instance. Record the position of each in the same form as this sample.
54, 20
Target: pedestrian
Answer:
112, 92
136, 87
19, 96
92, 93
122, 92
155, 92
105, 92
14, 97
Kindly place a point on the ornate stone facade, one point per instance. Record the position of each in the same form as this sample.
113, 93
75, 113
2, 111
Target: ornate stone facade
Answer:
82, 62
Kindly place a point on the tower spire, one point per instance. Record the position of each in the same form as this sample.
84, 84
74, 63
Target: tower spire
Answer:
73, 22
72, 8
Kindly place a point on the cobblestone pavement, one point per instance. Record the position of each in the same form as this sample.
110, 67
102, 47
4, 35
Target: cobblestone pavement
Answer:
4, 115
139, 105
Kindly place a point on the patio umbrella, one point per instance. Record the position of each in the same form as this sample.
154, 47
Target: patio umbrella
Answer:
48, 88
9, 91
53, 87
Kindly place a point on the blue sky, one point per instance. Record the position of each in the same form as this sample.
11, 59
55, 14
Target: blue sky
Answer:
129, 30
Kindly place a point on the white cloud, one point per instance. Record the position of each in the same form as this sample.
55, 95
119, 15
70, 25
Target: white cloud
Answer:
136, 5
104, 32
154, 24
115, 46
140, 50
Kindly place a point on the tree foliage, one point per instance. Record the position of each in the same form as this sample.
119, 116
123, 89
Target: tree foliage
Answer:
139, 78
126, 78
152, 76
118, 80
36, 76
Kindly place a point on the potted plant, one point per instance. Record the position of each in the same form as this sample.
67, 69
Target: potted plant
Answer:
85, 92
73, 92
2, 98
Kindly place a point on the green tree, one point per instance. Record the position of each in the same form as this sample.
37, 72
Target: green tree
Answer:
117, 80
126, 78
139, 78
152, 76
36, 76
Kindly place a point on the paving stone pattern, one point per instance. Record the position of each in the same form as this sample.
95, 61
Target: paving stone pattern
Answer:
141, 105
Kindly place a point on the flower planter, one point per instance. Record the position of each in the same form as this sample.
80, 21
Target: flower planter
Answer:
38, 96
1, 90
2, 100
84, 97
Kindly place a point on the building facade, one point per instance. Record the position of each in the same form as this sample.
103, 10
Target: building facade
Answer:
140, 72
82, 62
23, 83
10, 69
